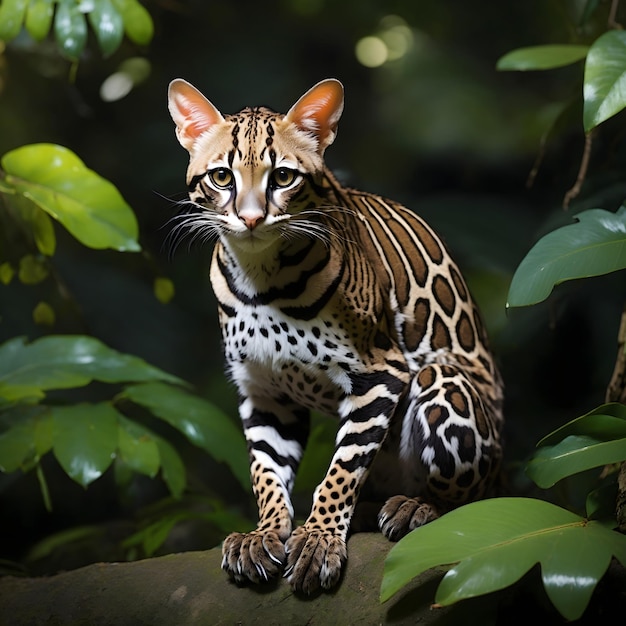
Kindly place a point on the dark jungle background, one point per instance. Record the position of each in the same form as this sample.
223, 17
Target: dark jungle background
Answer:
434, 126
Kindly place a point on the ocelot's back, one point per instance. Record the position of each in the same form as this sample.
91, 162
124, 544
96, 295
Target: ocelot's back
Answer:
344, 302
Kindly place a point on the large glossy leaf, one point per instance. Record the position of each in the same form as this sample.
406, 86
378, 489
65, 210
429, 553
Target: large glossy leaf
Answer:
542, 57
593, 440
138, 447
493, 543
85, 439
604, 90
572, 455
62, 362
594, 245
202, 422
89, 206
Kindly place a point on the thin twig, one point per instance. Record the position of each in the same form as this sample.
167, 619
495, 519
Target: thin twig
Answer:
582, 172
612, 22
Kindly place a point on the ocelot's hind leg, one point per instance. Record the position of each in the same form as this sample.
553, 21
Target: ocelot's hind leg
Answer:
447, 442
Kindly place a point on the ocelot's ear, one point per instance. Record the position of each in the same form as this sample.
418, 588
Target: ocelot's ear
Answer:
318, 111
191, 111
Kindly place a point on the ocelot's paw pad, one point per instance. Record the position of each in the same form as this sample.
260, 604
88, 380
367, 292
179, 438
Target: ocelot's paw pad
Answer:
254, 557
315, 559
402, 514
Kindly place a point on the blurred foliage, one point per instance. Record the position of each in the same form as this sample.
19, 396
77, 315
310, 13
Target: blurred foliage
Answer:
484, 156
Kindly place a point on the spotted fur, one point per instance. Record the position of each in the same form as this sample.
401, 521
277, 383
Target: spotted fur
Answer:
344, 302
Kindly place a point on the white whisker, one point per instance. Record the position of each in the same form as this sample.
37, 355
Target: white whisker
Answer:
196, 223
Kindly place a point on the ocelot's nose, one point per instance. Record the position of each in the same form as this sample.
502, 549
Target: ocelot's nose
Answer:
251, 221
251, 209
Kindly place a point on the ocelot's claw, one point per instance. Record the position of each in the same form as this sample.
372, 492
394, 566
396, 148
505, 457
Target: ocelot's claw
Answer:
256, 556
315, 559
402, 514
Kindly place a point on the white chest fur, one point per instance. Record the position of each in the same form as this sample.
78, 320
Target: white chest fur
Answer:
267, 351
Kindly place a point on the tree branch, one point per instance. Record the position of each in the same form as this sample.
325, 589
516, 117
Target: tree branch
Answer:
582, 172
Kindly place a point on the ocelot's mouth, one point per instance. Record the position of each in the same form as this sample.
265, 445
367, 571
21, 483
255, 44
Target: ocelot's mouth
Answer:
254, 240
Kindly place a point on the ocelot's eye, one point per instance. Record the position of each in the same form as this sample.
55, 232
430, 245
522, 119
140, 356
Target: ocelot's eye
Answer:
221, 177
283, 177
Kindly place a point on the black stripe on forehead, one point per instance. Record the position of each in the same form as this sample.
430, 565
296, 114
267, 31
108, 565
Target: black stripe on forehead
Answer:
235, 149
253, 125
269, 141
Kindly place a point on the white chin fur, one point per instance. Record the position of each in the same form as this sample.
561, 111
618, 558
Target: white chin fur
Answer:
246, 240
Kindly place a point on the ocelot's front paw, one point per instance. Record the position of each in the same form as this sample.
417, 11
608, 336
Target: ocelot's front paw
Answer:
315, 559
402, 514
256, 556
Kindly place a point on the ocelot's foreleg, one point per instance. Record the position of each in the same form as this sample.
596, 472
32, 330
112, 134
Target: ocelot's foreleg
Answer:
448, 445
276, 431
316, 551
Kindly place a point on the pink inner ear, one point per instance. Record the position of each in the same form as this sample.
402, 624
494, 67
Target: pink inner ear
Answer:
197, 118
191, 111
319, 110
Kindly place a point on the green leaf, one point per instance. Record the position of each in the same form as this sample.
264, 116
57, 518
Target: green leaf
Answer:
16, 444
108, 25
137, 21
163, 289
200, 421
138, 447
493, 543
172, 468
593, 440
574, 454
542, 57
11, 18
63, 362
604, 88
70, 29
33, 270
39, 18
44, 433
605, 422
43, 314
6, 273
85, 439
26, 439
595, 245
89, 206
41, 226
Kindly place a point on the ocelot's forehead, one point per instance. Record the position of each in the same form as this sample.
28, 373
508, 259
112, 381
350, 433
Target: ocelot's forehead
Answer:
253, 133
254, 138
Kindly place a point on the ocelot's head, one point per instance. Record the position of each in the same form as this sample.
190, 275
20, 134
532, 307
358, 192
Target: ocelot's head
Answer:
252, 175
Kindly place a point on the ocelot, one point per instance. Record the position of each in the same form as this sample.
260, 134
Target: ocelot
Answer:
339, 301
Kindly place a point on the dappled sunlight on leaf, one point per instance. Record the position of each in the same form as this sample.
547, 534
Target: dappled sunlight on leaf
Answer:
57, 181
